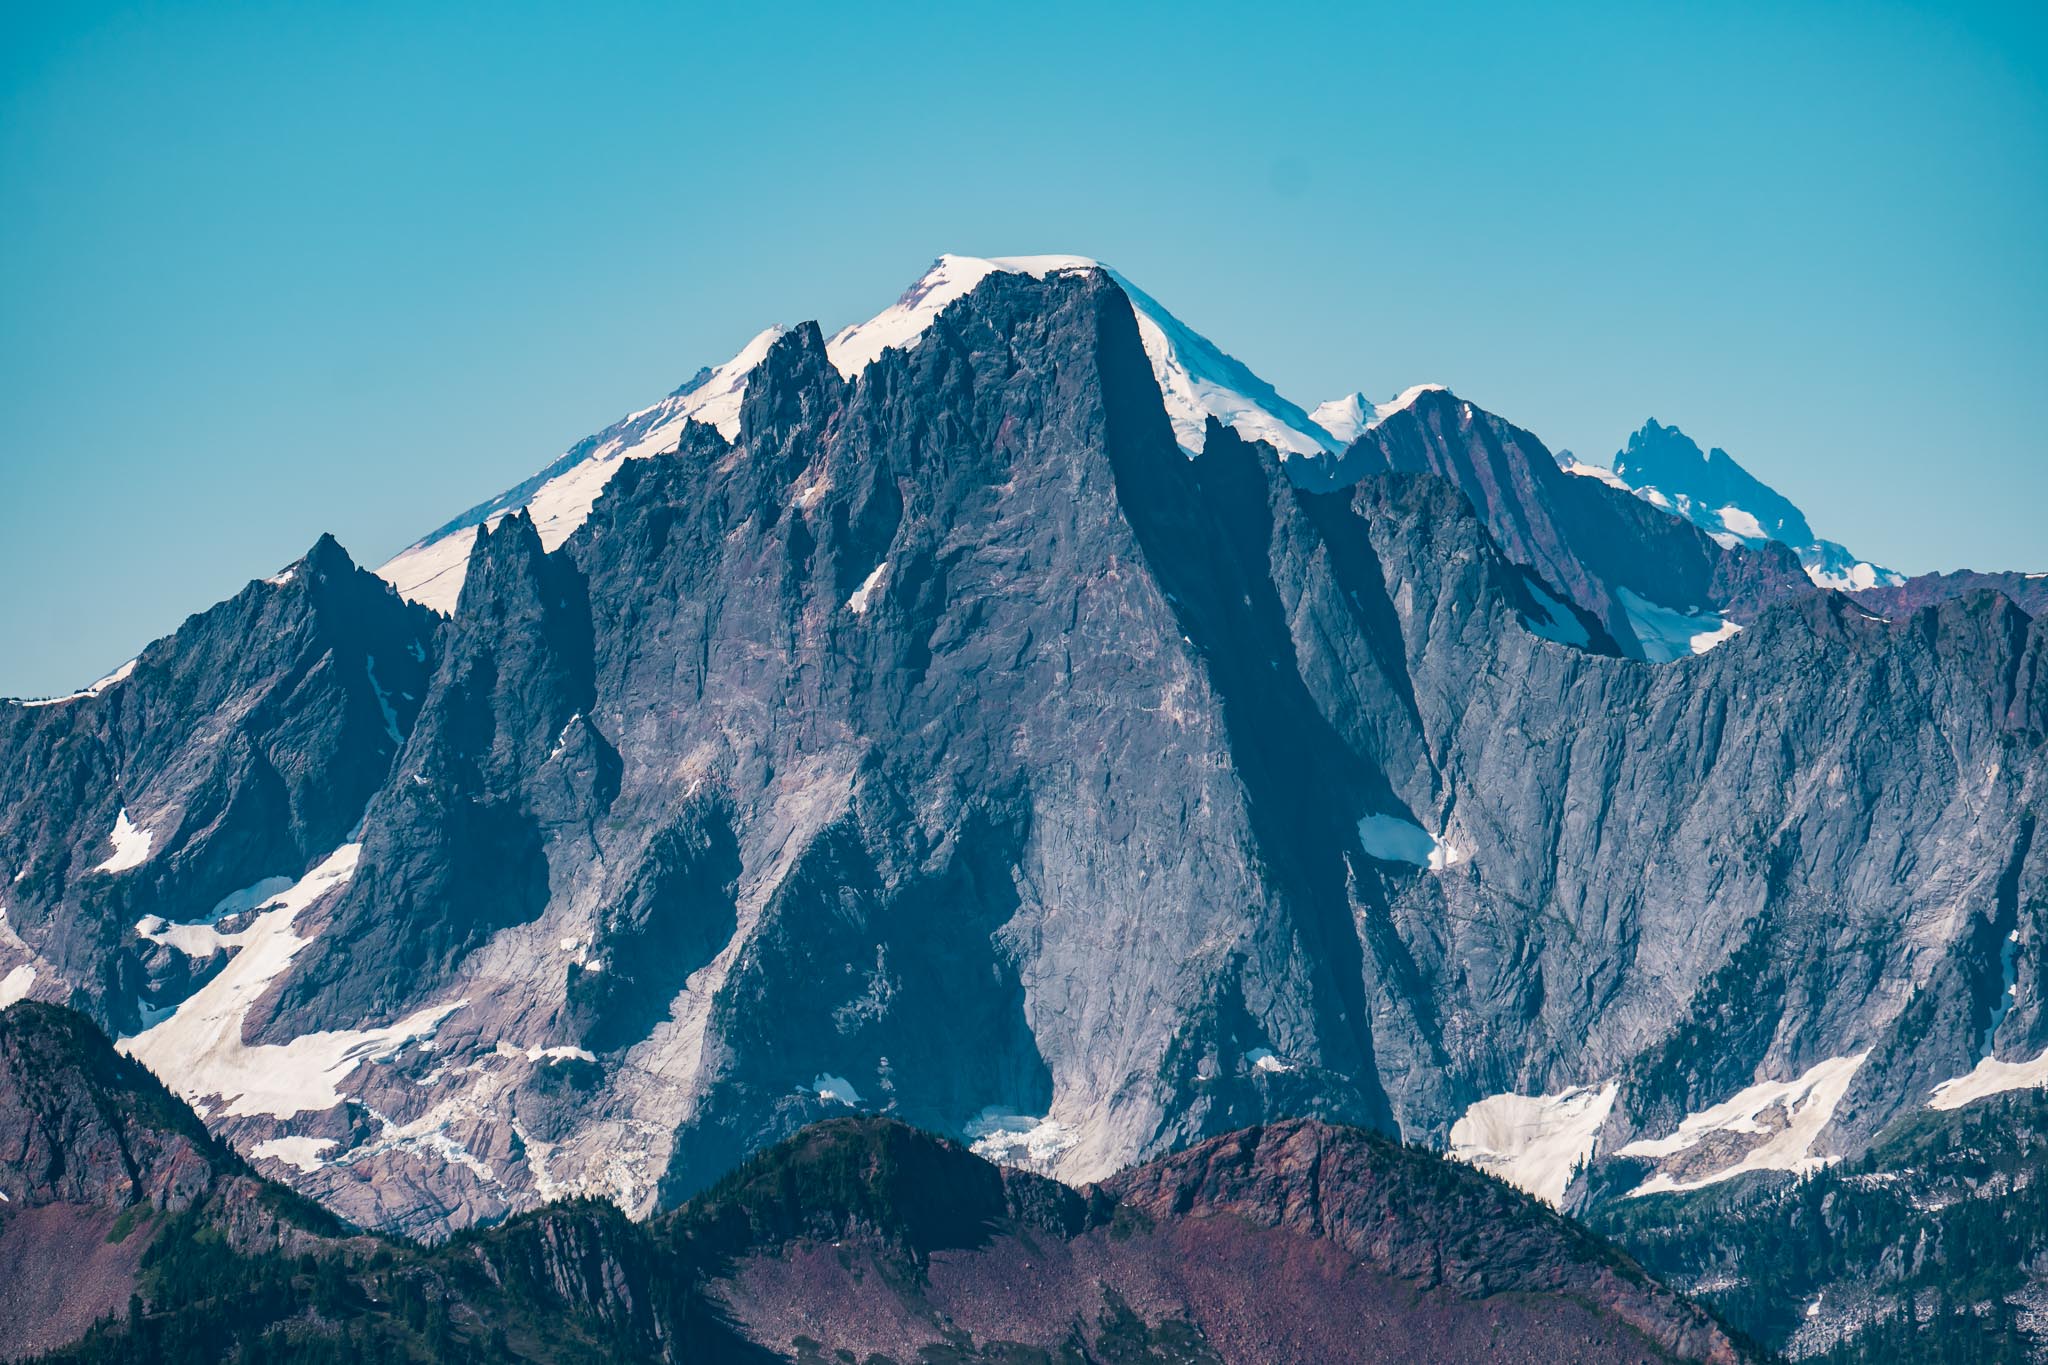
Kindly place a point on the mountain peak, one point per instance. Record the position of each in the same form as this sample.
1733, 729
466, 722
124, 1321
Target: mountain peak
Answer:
858, 345
1197, 380
1668, 469
1354, 414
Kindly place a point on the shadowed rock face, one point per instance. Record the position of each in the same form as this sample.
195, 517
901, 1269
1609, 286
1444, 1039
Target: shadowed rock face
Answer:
953, 744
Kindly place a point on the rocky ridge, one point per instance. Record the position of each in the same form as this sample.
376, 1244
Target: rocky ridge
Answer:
862, 1235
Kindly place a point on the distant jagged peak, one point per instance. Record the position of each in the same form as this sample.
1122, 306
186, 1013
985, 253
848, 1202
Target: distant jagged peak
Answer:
1667, 469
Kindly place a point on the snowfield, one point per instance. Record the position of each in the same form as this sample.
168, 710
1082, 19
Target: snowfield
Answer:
1788, 1117
1534, 1142
198, 1050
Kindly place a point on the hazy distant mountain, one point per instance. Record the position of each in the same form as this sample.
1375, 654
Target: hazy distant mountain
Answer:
1665, 468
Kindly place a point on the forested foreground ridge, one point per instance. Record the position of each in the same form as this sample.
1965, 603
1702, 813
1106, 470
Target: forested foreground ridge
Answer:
859, 1238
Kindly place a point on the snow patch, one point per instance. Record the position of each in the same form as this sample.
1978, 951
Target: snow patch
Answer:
1034, 1142
257, 893
864, 594
131, 845
903, 323
1990, 1077
1666, 634
425, 1136
431, 572
1350, 417
1742, 523
1534, 1142
562, 739
1264, 1059
1392, 839
15, 985
1594, 471
198, 1051
830, 1087
1787, 1115
92, 690
1859, 577
1198, 381
300, 1152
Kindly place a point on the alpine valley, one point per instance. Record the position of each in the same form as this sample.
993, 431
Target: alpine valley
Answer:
1123, 807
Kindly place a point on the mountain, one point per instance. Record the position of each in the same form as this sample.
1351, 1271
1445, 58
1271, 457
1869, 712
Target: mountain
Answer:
2029, 591
958, 734
1196, 380
95, 1152
1663, 466
1296, 1242
198, 780
1608, 574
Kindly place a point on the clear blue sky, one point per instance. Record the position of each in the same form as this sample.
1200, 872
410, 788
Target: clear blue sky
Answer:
269, 270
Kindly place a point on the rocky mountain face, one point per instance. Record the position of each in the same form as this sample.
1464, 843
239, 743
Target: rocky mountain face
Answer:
1297, 1242
945, 739
199, 780
1640, 583
2029, 591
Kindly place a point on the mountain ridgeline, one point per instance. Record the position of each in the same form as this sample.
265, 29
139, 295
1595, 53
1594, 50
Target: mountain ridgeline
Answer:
951, 735
858, 1238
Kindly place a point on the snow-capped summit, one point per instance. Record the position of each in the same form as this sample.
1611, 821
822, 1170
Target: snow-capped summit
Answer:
1350, 417
1197, 381
858, 345
1666, 468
